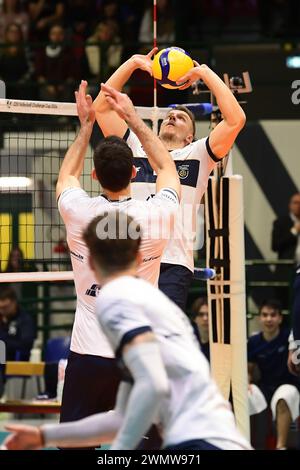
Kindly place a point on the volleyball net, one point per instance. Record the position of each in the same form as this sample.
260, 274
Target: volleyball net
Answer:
34, 137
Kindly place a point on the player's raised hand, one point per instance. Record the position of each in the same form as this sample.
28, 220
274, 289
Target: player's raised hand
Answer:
144, 61
191, 76
84, 102
23, 437
119, 102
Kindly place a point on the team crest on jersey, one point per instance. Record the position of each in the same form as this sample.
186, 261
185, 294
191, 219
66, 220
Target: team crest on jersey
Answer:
183, 171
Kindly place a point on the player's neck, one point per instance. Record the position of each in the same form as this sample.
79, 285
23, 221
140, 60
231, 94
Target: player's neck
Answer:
269, 335
172, 144
119, 195
127, 272
203, 336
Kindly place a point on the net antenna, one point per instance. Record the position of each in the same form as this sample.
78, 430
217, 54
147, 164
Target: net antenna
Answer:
155, 108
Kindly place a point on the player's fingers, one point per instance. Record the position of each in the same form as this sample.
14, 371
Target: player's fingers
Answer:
152, 52
110, 100
185, 78
185, 86
110, 91
196, 63
14, 427
89, 99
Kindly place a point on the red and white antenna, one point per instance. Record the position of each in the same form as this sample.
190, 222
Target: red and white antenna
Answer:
155, 109
154, 45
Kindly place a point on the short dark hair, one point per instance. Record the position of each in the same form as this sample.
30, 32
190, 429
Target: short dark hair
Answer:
113, 161
272, 303
116, 250
181, 107
7, 292
198, 303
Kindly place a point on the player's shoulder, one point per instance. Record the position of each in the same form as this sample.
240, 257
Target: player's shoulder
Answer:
123, 287
194, 150
165, 195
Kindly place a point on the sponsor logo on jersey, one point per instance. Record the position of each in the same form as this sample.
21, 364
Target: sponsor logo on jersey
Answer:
76, 255
93, 291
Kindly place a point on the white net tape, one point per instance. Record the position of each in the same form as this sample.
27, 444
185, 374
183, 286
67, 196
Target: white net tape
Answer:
67, 109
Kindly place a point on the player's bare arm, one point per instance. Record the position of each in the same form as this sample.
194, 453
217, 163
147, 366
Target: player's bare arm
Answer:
109, 121
159, 157
72, 165
223, 136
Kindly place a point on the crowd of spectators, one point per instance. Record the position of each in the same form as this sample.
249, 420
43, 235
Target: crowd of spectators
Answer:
46, 46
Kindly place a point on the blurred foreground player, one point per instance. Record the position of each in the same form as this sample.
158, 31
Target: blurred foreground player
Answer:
166, 378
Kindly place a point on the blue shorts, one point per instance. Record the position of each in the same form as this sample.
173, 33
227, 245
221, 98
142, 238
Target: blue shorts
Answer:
91, 384
175, 281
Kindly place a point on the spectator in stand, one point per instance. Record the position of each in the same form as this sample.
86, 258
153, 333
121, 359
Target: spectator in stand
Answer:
43, 15
17, 328
16, 262
80, 16
286, 242
11, 12
268, 351
286, 232
165, 25
294, 346
55, 68
15, 68
200, 324
109, 10
104, 58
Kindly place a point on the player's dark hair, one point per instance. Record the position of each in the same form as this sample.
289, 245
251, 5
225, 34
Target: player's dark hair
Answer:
113, 162
272, 303
113, 239
7, 292
198, 303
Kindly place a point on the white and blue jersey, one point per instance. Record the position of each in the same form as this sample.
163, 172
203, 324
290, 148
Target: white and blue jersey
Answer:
194, 163
156, 219
195, 409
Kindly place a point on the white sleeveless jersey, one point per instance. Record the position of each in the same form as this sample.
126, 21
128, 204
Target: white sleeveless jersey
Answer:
156, 218
194, 166
128, 306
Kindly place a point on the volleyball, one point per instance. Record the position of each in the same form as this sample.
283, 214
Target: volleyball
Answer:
169, 65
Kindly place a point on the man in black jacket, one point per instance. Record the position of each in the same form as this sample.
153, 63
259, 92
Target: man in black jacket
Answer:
286, 232
17, 329
286, 242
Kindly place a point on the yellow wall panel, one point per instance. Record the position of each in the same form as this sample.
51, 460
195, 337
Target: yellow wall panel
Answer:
5, 239
26, 234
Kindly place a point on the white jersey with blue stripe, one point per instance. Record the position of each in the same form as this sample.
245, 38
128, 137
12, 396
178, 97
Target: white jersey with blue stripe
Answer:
156, 218
195, 409
194, 164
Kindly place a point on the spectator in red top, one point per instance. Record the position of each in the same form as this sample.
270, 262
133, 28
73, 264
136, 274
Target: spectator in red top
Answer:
54, 68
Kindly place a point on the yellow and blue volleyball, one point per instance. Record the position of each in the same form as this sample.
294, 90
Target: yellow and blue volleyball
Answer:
171, 64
